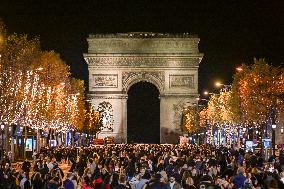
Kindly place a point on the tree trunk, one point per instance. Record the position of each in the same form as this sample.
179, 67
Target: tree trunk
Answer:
25, 142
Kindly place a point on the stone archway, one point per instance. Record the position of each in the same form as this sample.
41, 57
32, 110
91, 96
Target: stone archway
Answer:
143, 113
118, 61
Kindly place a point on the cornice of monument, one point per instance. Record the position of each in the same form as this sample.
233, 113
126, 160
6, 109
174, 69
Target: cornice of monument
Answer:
173, 95
143, 35
143, 43
143, 61
125, 55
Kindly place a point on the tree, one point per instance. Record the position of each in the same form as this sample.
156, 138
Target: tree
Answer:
260, 90
78, 105
92, 119
18, 55
214, 110
190, 119
203, 114
36, 89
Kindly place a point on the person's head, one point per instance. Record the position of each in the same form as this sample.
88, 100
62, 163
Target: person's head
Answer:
87, 180
138, 176
7, 165
172, 179
104, 171
70, 175
87, 170
248, 175
154, 176
53, 173
37, 176
23, 174
189, 181
185, 175
75, 178
193, 172
97, 175
107, 179
240, 170
282, 174
163, 180
142, 171
122, 179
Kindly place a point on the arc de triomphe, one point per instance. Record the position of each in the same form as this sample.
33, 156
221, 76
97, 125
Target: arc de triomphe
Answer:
118, 61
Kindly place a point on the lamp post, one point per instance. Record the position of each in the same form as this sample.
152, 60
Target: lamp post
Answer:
2, 136
273, 137
239, 69
226, 87
207, 93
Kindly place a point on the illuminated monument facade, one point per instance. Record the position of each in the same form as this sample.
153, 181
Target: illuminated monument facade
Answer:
118, 61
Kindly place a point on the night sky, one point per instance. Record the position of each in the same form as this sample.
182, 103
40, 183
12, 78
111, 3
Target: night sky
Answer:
231, 31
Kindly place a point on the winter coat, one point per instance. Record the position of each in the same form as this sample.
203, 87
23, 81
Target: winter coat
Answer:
239, 180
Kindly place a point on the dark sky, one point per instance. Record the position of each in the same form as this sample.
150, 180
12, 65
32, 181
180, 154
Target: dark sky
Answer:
231, 31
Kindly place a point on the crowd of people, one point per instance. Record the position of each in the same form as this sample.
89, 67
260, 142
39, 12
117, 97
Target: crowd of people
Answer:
144, 166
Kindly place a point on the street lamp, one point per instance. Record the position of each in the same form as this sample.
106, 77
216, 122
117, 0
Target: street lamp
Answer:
239, 69
207, 93
273, 137
201, 99
218, 84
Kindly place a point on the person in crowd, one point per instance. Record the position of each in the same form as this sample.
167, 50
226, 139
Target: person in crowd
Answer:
26, 167
53, 183
98, 181
144, 178
156, 183
173, 184
106, 182
145, 166
122, 182
10, 180
189, 184
87, 184
92, 165
68, 184
134, 180
37, 181
239, 179
76, 180
25, 182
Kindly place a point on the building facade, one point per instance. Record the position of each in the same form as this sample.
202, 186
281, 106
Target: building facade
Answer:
118, 61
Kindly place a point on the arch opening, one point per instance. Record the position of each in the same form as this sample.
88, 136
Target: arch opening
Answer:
143, 113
